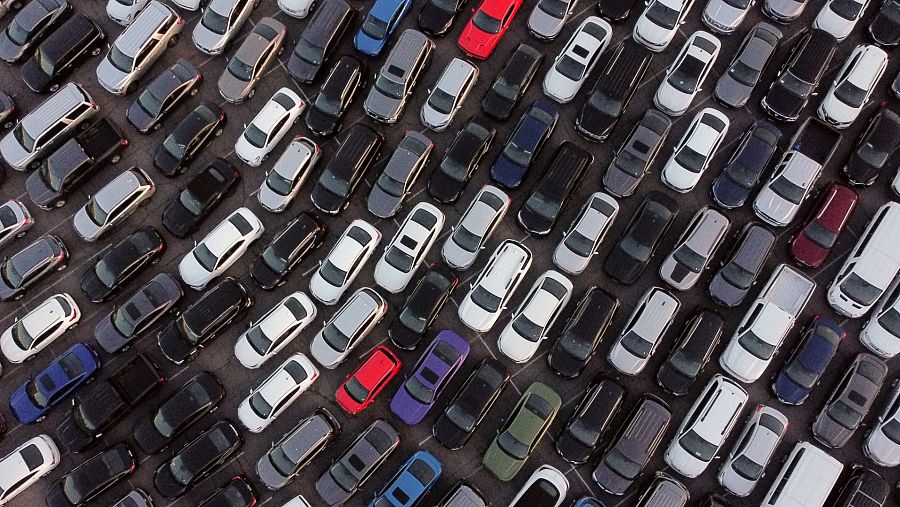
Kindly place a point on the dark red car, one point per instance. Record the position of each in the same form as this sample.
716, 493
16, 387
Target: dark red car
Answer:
361, 387
486, 27
813, 243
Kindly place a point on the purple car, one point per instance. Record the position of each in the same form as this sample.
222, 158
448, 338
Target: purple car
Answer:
441, 360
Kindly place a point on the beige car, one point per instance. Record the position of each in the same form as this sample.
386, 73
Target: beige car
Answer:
251, 60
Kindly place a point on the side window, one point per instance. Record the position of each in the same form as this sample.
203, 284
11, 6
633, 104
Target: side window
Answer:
263, 58
144, 53
46, 334
753, 316
277, 127
231, 251
50, 133
122, 206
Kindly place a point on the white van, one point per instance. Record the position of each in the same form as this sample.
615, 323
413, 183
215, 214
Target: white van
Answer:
805, 480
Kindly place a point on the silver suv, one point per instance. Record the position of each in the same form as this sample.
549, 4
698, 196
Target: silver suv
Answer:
396, 79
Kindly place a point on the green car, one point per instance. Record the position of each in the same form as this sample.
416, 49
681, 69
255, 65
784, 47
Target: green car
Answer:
529, 421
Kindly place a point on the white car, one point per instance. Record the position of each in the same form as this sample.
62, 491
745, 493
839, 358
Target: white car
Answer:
39, 327
274, 330
682, 268
345, 260
754, 343
189, 5
448, 94
581, 241
221, 248
348, 327
839, 17
852, 88
475, 227
684, 78
529, 324
695, 150
123, 12
22, 467
753, 450
490, 293
113, 203
577, 59
881, 334
548, 17
546, 483
409, 246
296, 501
269, 125
284, 180
275, 394
779, 199
658, 24
723, 16
882, 444
296, 8
706, 426
220, 23
644, 330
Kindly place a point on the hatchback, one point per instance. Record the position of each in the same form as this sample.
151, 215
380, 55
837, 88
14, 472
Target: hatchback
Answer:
802, 371
24, 465
582, 332
274, 330
411, 482
632, 253
643, 332
753, 450
40, 327
579, 439
399, 176
448, 94
220, 23
361, 387
574, 63
475, 227
189, 138
692, 155
277, 392
852, 89
184, 214
269, 126
345, 79
735, 85
512, 82
197, 459
691, 352
850, 401
290, 246
379, 24
347, 328
30, 265
471, 404
422, 306
583, 238
162, 95
353, 468
460, 160
636, 154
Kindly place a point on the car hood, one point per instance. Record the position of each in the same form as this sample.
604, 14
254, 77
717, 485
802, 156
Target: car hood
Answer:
477, 42
108, 336
727, 193
84, 226
231, 88
406, 408
320, 123
507, 173
502, 465
93, 288
434, 118
544, 24
829, 432
165, 483
731, 92
173, 345
724, 14
192, 273
110, 77
177, 219
9, 51
34, 77
302, 70
13, 153
39, 192
382, 106
381, 204
610, 481
165, 161
146, 436
773, 208
269, 476
210, 41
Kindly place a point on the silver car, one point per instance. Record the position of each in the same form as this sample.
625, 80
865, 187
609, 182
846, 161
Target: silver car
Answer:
287, 457
723, 16
115, 202
754, 448
784, 11
251, 60
683, 267
220, 22
549, 17
448, 94
399, 175
284, 180
579, 244
644, 331
347, 327
737, 82
15, 220
882, 445
475, 227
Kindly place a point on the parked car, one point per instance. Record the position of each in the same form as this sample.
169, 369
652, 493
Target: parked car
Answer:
237, 492
277, 392
422, 306
884, 28
783, 11
524, 144
875, 146
512, 82
463, 494
802, 371
378, 25
91, 478
460, 160
491, 291
399, 176
30, 27
644, 331
881, 445
274, 330
118, 329
548, 18
863, 486
251, 60
812, 244
220, 23
412, 481
735, 85
24, 465
686, 75
135, 497
692, 155
290, 246
664, 490
197, 459
475, 227
800, 75
117, 265
691, 352
470, 405
658, 23
113, 203
733, 280
523, 429
320, 39
634, 249
579, 439
584, 328
343, 263
269, 126
749, 160
163, 95
184, 214
121, 13
40, 327
31, 264
636, 154
297, 448
692, 253
615, 10
531, 321
881, 334
429, 377
725, 17
220, 248
852, 89
7, 111
397, 77
15, 221
582, 239
839, 19
549, 196
33, 399
486, 27
346, 169
448, 94
345, 79
753, 450
576, 60
850, 401
347, 327
546, 487
436, 17
62, 52
353, 468
361, 387
189, 138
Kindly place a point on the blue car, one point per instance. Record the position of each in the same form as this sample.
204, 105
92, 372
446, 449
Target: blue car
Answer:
523, 145
411, 482
802, 371
381, 21
33, 399
588, 501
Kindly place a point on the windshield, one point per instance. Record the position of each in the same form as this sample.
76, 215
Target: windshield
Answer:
24, 138
35, 395
873, 156
120, 60
17, 34
97, 214
756, 346
460, 417
356, 390
309, 52
20, 336
104, 273
555, 8
844, 415
190, 202
744, 176
697, 446
255, 136
419, 391
577, 348
682, 363
483, 298
274, 260
540, 204
180, 470
579, 243
12, 277
390, 87
260, 406
122, 323
240, 70
747, 468
518, 154
335, 338
258, 340
847, 9
690, 159
412, 320
635, 249
686, 76
279, 184
850, 94
374, 27
332, 274
466, 240
205, 257
737, 276
801, 375
606, 104
45, 64
744, 74
860, 290
149, 102
441, 101
214, 22
511, 446
327, 105
637, 345
820, 235
794, 85
280, 461
890, 321
662, 15
334, 183
486, 23
891, 430
172, 145
690, 259
571, 68
399, 259
788, 190
621, 464
527, 329
390, 185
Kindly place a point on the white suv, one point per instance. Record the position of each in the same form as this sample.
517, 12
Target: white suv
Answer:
490, 293
647, 325
408, 247
221, 248
852, 88
269, 125
39, 327
276, 393
529, 324
345, 260
881, 334
22, 467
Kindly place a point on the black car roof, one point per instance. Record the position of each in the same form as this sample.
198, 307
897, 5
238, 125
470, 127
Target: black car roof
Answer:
67, 37
816, 54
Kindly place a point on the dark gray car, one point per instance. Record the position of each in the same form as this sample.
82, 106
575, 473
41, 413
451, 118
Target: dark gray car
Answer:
31, 264
735, 85
162, 95
664, 491
733, 280
297, 448
126, 322
633, 159
850, 401
251, 60
31, 26
352, 468
400, 174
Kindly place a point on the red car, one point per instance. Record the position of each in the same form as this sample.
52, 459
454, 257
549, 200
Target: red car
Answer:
486, 27
813, 243
361, 387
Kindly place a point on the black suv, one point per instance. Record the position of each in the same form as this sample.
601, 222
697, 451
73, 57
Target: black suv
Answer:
691, 352
170, 88
321, 37
121, 263
186, 211
62, 52
631, 254
91, 478
300, 237
548, 198
346, 78
512, 82
197, 459
422, 306
800, 75
580, 437
472, 402
582, 333
460, 160
346, 169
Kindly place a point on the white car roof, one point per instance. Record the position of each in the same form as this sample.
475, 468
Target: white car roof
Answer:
44, 315
267, 116
226, 234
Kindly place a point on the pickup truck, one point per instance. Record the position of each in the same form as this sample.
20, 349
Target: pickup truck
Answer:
810, 150
73, 162
766, 323
108, 402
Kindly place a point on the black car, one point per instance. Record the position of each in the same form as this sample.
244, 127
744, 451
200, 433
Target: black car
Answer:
745, 168
885, 26
800, 76
582, 333
863, 488
346, 169
182, 339
874, 148
580, 437
118, 329
319, 40
552, 192
238, 492
194, 132
613, 90
75, 161
31, 264
691, 352
300, 237
162, 95
436, 16
121, 263
512, 82
422, 306
32, 25
93, 477
615, 10
631, 254
346, 78
186, 211
62, 52
198, 396
197, 459
472, 402
460, 160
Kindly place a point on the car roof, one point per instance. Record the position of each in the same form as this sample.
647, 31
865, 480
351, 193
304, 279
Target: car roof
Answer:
144, 27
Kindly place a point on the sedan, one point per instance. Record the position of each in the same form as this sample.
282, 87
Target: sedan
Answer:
850, 401
400, 173
546, 486
660, 21
475, 227
583, 330
343, 263
631, 254
274, 330
579, 439
577, 59
93, 477
33, 399
413, 481
802, 371
344, 81
582, 240
277, 392
299, 446
361, 387
269, 125
195, 131
422, 306
812, 244
875, 146
117, 265
512, 82
126, 322
853, 87
30, 265
379, 24
685, 76
197, 459
437, 16
744, 170
691, 352
184, 214
15, 220
220, 23
24, 465
237, 492
251, 60
637, 153
283, 182
113, 203
350, 471
753, 450
39, 328
735, 85
220, 248
486, 27
408, 248
694, 152
751, 249
644, 331
30, 26
882, 444
347, 328
472, 402
162, 95
884, 28
296, 241
461, 160
491, 291
529, 324
839, 17
524, 143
